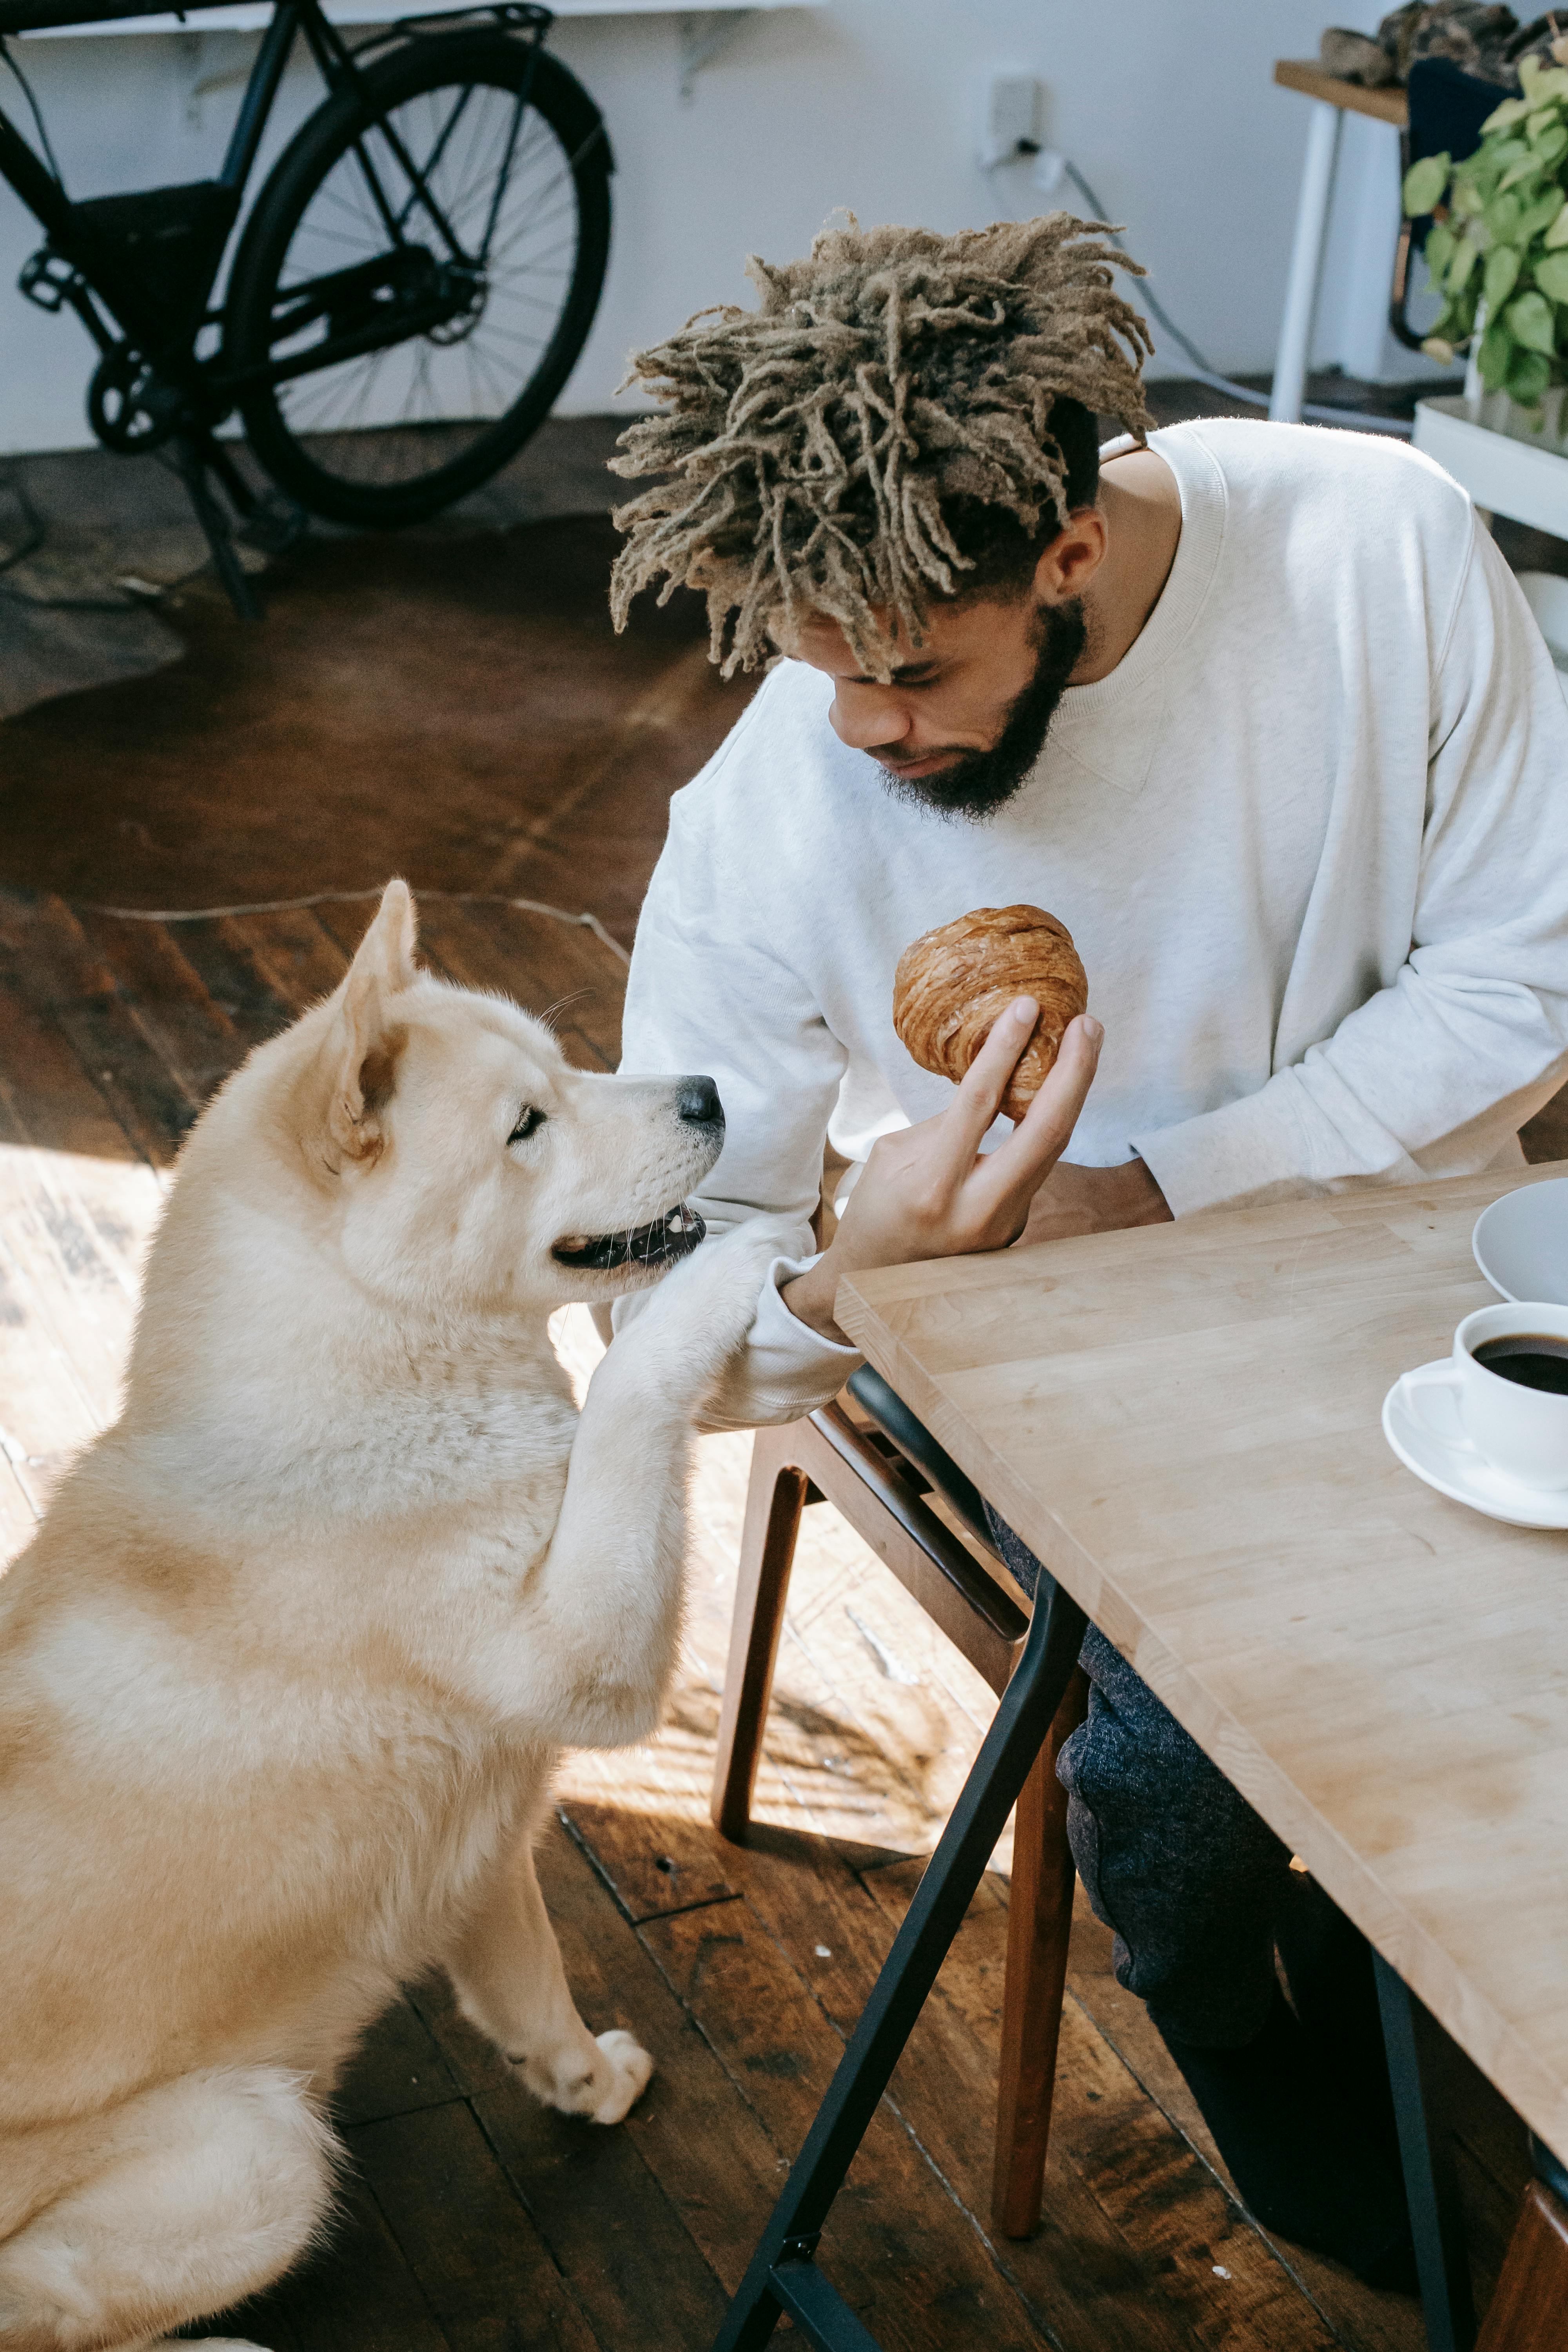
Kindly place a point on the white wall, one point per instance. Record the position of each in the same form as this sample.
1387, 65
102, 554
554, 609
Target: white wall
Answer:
1166, 105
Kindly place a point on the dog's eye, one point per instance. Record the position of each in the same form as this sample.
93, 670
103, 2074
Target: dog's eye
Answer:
531, 1120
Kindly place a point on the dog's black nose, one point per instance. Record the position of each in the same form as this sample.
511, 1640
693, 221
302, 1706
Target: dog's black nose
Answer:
698, 1103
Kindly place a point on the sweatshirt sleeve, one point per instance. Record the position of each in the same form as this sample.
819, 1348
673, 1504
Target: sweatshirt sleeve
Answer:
708, 994
1438, 1071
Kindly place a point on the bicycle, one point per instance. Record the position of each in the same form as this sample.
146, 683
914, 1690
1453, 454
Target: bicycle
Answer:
408, 293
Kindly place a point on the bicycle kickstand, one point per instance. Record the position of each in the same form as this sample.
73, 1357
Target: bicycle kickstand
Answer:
267, 519
193, 462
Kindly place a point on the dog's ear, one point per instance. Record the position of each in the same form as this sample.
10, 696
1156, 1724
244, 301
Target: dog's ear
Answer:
359, 1060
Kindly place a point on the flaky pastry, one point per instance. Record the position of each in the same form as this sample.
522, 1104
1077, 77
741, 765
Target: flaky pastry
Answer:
952, 984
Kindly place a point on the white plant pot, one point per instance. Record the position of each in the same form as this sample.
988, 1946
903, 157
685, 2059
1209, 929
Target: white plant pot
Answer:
1545, 427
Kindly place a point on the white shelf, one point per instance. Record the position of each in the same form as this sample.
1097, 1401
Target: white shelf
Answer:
251, 16
1507, 475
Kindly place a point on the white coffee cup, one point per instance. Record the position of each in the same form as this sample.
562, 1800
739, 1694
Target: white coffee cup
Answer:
1520, 1431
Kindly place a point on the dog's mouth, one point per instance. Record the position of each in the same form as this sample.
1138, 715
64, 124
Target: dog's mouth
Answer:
674, 1235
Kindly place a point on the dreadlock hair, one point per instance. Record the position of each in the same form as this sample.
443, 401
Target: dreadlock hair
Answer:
903, 417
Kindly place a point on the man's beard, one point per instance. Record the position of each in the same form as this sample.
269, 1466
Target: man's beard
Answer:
978, 784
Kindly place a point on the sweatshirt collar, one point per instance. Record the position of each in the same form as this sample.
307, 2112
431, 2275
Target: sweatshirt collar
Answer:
1202, 486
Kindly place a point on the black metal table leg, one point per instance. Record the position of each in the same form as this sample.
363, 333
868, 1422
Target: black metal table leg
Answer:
1425, 2150
782, 2276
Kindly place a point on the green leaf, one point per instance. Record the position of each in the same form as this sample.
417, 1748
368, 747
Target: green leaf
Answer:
1465, 259
1532, 324
1541, 84
1501, 117
1440, 243
1552, 276
1538, 214
1528, 377
1423, 185
1553, 147
1558, 233
1503, 218
1502, 272
1528, 170
1435, 347
1496, 355
1467, 198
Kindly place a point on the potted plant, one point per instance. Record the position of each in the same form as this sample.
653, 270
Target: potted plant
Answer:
1498, 253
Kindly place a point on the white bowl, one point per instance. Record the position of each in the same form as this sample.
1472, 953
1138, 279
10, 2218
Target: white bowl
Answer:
1521, 1242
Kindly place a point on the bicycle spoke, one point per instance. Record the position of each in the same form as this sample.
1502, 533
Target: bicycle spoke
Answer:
528, 228
502, 177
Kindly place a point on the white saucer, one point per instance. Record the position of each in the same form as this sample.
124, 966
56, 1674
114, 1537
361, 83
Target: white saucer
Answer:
1521, 1242
1422, 1425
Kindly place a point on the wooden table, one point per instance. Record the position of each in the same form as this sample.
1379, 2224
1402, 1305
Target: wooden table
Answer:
1183, 1423
1331, 100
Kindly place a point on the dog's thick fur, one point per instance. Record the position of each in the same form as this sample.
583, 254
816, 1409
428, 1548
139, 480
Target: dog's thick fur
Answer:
282, 1677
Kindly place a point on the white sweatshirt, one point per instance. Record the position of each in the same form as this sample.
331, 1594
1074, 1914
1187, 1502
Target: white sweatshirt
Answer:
1311, 837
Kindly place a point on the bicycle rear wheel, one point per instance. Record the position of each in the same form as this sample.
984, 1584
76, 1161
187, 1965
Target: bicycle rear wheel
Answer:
425, 262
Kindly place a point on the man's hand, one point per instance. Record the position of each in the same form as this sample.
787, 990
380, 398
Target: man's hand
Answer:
1075, 1200
928, 1191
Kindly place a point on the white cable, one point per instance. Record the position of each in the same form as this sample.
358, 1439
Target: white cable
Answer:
1051, 169
336, 898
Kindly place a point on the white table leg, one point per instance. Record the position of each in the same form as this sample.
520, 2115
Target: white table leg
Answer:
1306, 263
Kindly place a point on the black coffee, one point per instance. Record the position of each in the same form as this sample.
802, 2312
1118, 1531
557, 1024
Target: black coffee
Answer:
1534, 1359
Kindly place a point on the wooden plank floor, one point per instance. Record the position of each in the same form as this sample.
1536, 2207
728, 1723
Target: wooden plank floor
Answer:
471, 2217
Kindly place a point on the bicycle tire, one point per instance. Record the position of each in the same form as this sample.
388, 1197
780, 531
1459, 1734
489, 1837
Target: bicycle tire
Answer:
315, 463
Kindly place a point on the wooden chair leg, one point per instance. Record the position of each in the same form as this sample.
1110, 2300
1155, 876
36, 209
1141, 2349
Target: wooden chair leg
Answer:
775, 1498
1529, 2309
1040, 1920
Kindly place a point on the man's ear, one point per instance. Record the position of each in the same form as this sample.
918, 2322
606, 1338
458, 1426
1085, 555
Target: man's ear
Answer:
358, 1059
1071, 562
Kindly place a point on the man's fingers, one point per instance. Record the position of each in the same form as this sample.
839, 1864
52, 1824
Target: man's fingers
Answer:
1051, 1117
1041, 1137
984, 1084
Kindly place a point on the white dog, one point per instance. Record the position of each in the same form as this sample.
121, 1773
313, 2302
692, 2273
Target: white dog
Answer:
283, 1675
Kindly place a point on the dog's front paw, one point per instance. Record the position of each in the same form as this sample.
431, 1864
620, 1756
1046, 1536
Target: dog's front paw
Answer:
703, 1310
602, 2082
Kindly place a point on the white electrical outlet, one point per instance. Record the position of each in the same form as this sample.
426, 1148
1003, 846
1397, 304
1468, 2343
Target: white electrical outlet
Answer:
1050, 172
1010, 121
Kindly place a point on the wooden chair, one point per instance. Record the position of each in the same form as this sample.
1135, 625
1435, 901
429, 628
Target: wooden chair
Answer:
868, 1455
1529, 2309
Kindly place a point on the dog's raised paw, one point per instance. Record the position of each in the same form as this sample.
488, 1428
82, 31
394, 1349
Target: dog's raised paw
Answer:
703, 1310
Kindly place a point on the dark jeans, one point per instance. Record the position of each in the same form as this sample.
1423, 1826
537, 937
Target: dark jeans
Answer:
1189, 1879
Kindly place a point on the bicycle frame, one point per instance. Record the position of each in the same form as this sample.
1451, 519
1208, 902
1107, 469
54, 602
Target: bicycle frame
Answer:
139, 269
96, 265
71, 236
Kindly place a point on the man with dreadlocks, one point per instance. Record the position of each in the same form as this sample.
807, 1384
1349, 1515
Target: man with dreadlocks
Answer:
1260, 712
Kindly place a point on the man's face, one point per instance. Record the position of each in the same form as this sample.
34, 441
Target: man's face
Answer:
962, 722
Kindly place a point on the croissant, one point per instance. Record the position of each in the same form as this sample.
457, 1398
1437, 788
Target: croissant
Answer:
952, 982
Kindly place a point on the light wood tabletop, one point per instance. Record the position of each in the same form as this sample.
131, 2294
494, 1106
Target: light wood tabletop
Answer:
1183, 1421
